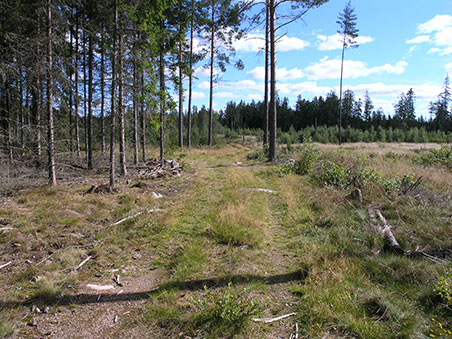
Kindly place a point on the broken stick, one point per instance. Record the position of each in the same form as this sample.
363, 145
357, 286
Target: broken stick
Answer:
128, 218
270, 320
7, 264
83, 263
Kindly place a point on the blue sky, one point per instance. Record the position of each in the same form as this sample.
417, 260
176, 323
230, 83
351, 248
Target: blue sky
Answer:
403, 44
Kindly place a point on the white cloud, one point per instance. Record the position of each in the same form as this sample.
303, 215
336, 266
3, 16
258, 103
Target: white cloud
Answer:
330, 69
332, 42
198, 95
286, 44
441, 28
449, 68
239, 85
422, 91
255, 42
257, 73
282, 74
444, 51
203, 72
204, 85
444, 37
225, 95
306, 88
419, 39
435, 24
257, 97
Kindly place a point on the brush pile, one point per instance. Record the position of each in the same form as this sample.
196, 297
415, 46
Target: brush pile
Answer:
155, 169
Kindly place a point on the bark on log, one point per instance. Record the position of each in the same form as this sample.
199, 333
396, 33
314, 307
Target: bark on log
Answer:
390, 241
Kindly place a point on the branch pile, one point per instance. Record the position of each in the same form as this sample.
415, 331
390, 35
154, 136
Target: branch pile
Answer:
154, 169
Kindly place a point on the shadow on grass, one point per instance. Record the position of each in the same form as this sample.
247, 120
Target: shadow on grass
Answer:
190, 285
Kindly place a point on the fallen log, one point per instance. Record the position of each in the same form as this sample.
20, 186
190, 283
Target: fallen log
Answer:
390, 242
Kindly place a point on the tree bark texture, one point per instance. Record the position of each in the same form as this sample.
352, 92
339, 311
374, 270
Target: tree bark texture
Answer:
212, 60
90, 102
122, 139
113, 103
136, 90
267, 34
162, 106
181, 99
51, 146
190, 78
273, 112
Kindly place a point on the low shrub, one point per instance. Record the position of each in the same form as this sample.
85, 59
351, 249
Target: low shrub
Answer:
440, 156
336, 175
444, 287
224, 313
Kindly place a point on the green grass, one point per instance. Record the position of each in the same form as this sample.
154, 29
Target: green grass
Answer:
218, 228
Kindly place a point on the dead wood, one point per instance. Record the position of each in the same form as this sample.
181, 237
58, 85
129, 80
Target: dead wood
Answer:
390, 241
5, 265
83, 263
270, 320
356, 194
141, 185
103, 189
100, 287
128, 218
154, 169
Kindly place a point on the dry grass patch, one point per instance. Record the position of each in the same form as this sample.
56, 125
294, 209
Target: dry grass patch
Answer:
233, 224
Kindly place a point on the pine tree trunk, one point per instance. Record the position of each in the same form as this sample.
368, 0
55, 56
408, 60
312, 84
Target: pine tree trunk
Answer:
70, 94
20, 122
136, 90
7, 122
27, 105
85, 91
113, 102
267, 31
143, 119
212, 59
36, 99
181, 99
76, 97
90, 102
340, 94
122, 140
190, 78
273, 113
50, 149
102, 95
162, 102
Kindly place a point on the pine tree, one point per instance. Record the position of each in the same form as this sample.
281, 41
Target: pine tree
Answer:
222, 28
439, 109
349, 32
404, 108
368, 108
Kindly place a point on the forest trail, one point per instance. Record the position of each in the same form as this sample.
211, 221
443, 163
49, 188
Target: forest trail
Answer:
220, 188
